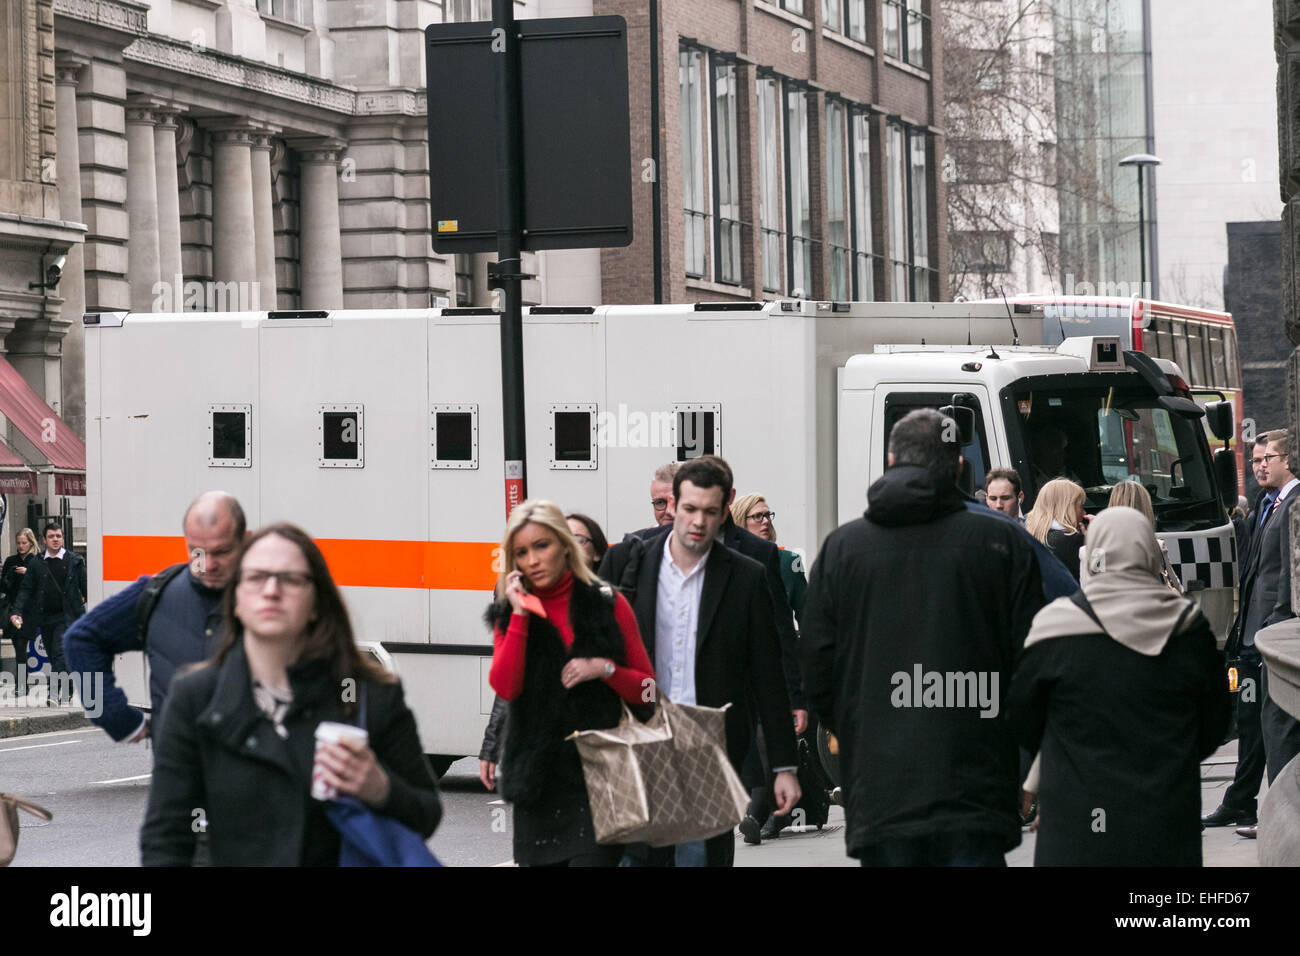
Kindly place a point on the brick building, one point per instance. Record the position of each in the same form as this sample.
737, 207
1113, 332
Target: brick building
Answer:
798, 150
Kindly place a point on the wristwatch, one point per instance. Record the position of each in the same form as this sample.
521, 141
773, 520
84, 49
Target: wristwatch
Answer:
609, 667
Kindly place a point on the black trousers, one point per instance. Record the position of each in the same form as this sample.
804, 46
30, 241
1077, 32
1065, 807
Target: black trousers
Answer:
1244, 789
1281, 731
938, 849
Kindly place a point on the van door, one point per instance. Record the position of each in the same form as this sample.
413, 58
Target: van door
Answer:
895, 401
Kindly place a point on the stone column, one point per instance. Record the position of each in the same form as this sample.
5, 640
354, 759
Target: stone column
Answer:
169, 206
67, 71
234, 256
264, 220
320, 245
142, 266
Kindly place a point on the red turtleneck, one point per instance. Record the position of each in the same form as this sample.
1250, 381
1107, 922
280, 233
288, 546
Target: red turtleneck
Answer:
507, 674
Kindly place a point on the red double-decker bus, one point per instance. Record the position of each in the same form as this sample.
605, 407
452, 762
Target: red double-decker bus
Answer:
1201, 342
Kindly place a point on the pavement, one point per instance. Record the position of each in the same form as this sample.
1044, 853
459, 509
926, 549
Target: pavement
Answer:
20, 719
825, 847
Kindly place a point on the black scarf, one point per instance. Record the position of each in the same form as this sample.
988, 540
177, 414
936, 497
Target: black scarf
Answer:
537, 757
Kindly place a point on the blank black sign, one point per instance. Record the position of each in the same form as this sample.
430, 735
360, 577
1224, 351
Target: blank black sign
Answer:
577, 167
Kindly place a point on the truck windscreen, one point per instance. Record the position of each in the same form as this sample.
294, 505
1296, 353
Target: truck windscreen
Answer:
1100, 434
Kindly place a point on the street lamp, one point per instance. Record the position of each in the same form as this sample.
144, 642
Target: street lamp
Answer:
1141, 160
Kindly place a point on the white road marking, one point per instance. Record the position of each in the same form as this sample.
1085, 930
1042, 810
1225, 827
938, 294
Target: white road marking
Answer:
59, 743
143, 776
50, 733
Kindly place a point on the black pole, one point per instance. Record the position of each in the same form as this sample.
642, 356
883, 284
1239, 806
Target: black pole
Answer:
1142, 237
508, 277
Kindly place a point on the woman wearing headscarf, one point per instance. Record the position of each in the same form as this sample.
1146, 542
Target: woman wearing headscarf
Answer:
1059, 521
1120, 689
1131, 494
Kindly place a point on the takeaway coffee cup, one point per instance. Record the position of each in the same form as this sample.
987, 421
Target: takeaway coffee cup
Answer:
329, 731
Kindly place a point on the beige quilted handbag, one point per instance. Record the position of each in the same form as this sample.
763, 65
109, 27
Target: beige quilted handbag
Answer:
9, 807
662, 782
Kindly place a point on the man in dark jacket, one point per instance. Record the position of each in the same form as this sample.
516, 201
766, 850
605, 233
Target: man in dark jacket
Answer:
1239, 800
184, 626
705, 615
914, 689
54, 593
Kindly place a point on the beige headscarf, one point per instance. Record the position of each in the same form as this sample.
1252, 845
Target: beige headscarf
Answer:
1124, 588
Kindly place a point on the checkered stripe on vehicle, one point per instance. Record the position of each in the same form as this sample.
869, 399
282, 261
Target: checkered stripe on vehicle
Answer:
1211, 560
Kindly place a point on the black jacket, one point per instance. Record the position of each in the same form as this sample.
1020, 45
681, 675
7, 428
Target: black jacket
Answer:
38, 579
220, 759
494, 735
1121, 736
11, 583
1266, 583
751, 546
920, 583
737, 648
1065, 545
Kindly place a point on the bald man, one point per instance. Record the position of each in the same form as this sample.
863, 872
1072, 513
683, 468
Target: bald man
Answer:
173, 616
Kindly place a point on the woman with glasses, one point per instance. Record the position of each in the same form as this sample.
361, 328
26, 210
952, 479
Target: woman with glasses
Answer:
590, 538
752, 513
237, 743
568, 665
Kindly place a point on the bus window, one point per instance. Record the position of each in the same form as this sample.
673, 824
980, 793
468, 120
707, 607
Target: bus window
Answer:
1179, 334
1230, 355
1162, 341
1218, 368
1196, 353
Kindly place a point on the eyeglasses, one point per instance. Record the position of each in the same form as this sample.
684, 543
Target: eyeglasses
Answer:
582, 539
761, 516
659, 504
255, 579
1260, 461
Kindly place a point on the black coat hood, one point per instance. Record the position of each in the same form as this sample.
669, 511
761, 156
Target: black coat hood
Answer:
907, 494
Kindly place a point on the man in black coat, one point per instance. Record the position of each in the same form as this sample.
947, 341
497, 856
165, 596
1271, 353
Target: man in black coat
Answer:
1239, 800
705, 614
1270, 601
914, 617
54, 593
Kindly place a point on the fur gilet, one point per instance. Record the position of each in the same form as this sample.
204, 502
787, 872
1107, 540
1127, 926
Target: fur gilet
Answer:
538, 761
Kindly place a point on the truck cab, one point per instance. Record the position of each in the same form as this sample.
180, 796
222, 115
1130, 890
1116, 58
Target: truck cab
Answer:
1085, 410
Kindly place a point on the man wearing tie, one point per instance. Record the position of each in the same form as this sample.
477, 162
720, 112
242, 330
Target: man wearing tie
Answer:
1238, 806
1261, 591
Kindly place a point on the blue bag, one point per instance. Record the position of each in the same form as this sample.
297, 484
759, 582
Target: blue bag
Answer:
370, 838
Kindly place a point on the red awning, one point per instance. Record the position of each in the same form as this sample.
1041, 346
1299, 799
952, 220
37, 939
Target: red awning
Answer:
16, 477
47, 434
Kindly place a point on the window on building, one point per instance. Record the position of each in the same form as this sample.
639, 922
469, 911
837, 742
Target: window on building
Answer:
467, 11
980, 251
831, 15
837, 199
726, 173
691, 86
980, 161
1047, 163
771, 222
285, 9
464, 279
860, 170
710, 166
909, 208
798, 189
793, 6
906, 24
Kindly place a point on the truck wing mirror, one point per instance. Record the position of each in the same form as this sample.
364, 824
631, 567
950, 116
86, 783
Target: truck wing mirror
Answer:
1225, 473
965, 420
1222, 422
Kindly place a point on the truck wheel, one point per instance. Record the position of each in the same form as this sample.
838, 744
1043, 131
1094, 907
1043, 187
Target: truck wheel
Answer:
441, 763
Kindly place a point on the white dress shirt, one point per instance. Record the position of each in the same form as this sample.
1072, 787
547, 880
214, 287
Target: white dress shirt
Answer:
677, 618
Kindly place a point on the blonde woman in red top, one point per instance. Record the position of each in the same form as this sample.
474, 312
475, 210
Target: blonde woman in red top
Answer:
569, 669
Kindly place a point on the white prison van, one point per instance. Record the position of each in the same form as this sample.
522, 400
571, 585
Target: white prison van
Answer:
379, 432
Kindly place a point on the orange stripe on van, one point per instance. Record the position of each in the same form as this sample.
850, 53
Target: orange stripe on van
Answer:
433, 565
